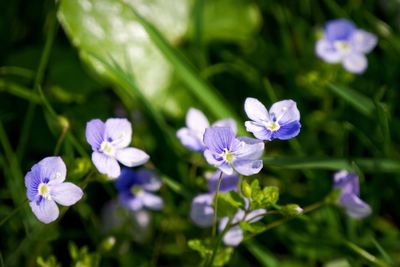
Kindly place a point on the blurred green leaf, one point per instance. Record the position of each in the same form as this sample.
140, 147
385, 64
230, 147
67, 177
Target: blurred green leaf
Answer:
262, 254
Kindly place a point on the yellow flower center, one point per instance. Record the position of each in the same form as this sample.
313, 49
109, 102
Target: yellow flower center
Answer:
228, 156
107, 148
44, 191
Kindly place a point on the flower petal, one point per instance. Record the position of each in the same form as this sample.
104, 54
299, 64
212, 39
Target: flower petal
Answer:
259, 131
129, 201
149, 180
288, 131
354, 206
339, 29
285, 111
355, 63
106, 165
211, 159
226, 123
325, 50
196, 120
363, 41
249, 149
118, 132
46, 210
228, 182
53, 169
132, 157
217, 139
248, 167
95, 133
255, 215
190, 139
66, 194
151, 201
233, 237
32, 182
347, 181
255, 110
201, 211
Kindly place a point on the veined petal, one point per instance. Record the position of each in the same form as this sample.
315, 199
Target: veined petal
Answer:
259, 131
249, 149
285, 111
32, 182
363, 41
325, 50
217, 139
354, 206
196, 120
132, 157
190, 139
210, 158
255, 110
288, 131
118, 132
247, 167
347, 181
228, 182
231, 123
95, 133
355, 63
46, 210
255, 215
339, 29
106, 165
151, 201
53, 169
201, 211
226, 168
66, 194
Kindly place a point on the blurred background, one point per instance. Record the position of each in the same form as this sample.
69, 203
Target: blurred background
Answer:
149, 61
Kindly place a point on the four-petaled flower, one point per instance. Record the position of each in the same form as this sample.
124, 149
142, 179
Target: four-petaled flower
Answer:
349, 198
228, 153
110, 141
45, 186
281, 122
136, 187
192, 135
343, 42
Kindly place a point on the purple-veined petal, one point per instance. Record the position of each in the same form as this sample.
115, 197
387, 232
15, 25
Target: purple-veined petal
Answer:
196, 120
45, 210
255, 110
325, 50
217, 139
150, 181
248, 167
118, 132
249, 149
201, 211
252, 126
151, 201
226, 168
354, 206
231, 123
228, 182
129, 201
363, 41
255, 215
339, 29
66, 194
285, 111
190, 139
347, 182
288, 131
53, 169
32, 182
355, 63
106, 165
233, 236
131, 156
95, 133
259, 132
211, 159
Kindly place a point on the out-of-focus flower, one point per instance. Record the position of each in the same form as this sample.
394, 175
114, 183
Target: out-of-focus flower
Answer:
343, 42
110, 141
281, 122
191, 136
46, 187
136, 189
228, 153
349, 198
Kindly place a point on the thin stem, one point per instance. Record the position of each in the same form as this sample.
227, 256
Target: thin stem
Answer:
15, 211
365, 254
220, 236
214, 228
60, 140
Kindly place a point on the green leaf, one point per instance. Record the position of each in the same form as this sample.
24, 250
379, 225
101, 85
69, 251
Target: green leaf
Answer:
360, 102
252, 227
226, 205
246, 189
236, 199
270, 196
261, 253
201, 247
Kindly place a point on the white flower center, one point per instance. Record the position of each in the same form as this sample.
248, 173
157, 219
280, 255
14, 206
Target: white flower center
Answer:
342, 46
44, 191
107, 148
273, 126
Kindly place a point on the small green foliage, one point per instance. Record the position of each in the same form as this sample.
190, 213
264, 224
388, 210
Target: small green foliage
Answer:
228, 204
291, 210
205, 249
252, 227
271, 196
201, 246
51, 261
82, 257
246, 189
263, 198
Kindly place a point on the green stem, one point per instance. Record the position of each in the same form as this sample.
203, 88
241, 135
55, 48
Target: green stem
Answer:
17, 71
365, 254
220, 236
214, 228
15, 211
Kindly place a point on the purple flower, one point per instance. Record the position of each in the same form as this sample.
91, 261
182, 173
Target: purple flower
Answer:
201, 211
110, 141
192, 135
45, 186
281, 122
349, 197
228, 153
136, 189
344, 43
234, 235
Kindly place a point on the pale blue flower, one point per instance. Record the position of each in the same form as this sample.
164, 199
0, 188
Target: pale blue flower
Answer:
46, 187
110, 141
191, 136
349, 198
136, 189
343, 42
281, 122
